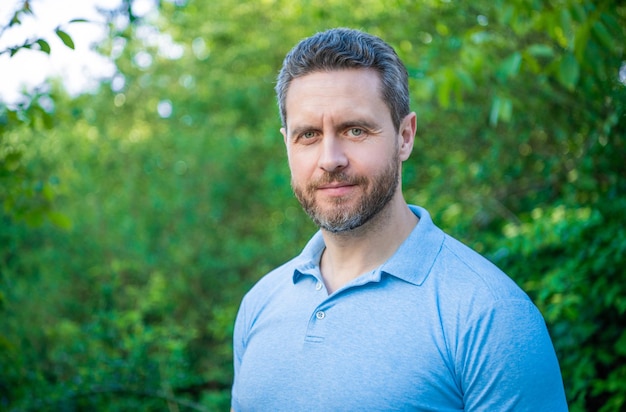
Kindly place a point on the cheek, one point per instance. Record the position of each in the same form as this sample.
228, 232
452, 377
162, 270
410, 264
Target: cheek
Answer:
296, 168
374, 159
291, 160
301, 163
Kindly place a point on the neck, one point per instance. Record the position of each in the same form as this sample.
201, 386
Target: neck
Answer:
352, 253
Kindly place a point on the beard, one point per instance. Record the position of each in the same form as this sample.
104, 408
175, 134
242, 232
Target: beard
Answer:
341, 216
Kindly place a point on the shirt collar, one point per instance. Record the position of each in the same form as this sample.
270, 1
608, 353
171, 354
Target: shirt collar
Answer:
411, 262
415, 257
308, 261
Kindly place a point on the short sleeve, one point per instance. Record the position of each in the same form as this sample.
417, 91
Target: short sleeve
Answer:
238, 350
507, 361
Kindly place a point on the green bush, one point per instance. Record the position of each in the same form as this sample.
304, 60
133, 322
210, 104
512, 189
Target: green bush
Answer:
128, 237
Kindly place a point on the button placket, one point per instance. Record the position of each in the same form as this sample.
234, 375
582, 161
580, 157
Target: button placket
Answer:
318, 322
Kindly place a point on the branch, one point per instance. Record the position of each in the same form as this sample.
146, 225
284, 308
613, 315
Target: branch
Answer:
24, 8
41, 43
28, 44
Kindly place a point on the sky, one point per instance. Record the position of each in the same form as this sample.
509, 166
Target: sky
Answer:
80, 69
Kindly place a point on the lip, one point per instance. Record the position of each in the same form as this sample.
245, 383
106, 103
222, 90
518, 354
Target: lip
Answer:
334, 185
336, 189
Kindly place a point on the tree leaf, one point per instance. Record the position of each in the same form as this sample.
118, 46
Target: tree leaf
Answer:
602, 35
65, 38
510, 66
566, 26
581, 40
15, 20
43, 45
578, 13
60, 220
445, 88
540, 50
501, 109
494, 114
569, 71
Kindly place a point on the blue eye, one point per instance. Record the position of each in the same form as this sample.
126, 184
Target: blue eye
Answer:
356, 132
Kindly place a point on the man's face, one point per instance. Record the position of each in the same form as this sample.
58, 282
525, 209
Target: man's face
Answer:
344, 152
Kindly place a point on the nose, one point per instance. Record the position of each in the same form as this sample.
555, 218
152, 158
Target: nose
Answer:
333, 156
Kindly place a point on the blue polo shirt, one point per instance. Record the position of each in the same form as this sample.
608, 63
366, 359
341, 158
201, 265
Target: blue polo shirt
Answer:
435, 328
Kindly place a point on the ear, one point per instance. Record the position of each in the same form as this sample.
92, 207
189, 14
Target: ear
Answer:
407, 131
284, 133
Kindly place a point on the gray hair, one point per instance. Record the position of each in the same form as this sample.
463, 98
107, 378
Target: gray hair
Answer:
340, 49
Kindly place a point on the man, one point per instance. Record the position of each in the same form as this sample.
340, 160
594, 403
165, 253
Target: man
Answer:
382, 310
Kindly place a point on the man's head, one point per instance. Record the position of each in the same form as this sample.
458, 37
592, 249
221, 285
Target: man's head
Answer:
341, 49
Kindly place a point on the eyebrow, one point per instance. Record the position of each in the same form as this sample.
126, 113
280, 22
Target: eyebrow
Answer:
301, 129
341, 126
359, 123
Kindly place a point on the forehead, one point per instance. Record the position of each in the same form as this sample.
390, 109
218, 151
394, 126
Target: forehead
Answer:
337, 81
335, 92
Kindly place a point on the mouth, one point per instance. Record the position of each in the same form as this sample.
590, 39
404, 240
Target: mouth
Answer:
336, 189
334, 185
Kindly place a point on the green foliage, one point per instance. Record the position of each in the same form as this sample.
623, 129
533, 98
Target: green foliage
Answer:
40, 44
135, 218
574, 262
24, 192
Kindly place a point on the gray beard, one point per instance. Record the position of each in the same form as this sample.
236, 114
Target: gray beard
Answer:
341, 218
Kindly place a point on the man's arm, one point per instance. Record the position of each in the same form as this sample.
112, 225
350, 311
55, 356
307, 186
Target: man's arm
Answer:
238, 349
509, 362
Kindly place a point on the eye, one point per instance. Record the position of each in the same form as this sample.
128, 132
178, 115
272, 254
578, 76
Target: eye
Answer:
307, 137
356, 132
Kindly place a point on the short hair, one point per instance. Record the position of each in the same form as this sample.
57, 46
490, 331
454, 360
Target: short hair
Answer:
341, 49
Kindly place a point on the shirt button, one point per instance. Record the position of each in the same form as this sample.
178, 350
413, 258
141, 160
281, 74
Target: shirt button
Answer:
318, 286
320, 315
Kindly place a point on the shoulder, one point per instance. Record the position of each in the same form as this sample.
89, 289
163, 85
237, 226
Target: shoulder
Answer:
272, 282
450, 271
270, 288
285, 275
469, 290
465, 268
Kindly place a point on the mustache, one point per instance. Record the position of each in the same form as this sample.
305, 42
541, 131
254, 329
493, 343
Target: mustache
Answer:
337, 177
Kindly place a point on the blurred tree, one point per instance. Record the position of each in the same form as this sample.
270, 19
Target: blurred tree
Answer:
27, 192
23, 194
177, 188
